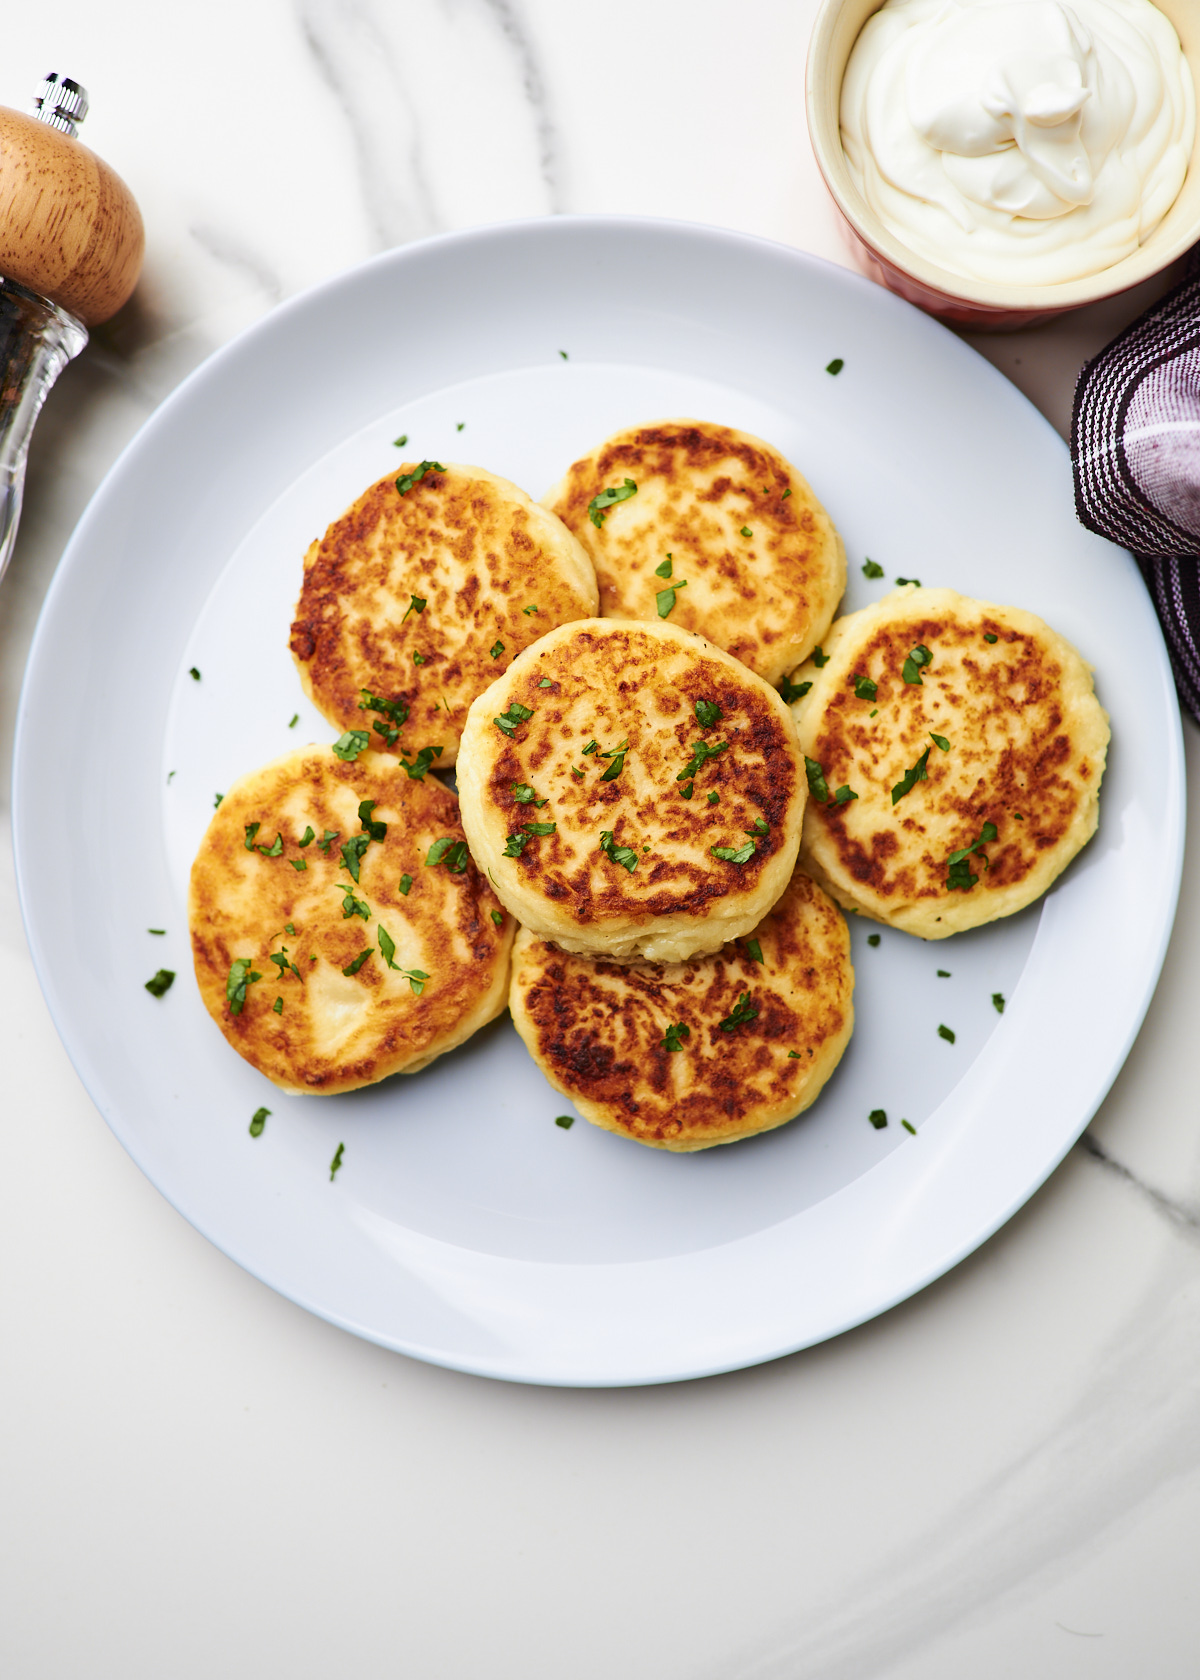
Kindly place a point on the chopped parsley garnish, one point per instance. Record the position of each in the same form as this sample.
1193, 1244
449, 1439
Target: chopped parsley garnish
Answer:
507, 721
327, 839
786, 494
352, 853
496, 649
903, 581
258, 1120
539, 828
375, 830
497, 916
665, 598
360, 959
617, 755
754, 950
194, 674
939, 741
295, 720
908, 1127
161, 982
307, 838
459, 425
844, 795
732, 854
872, 569
394, 711
988, 637
960, 877
624, 855
701, 753
836, 365
675, 1036
156, 930
878, 1118
865, 689
746, 531
449, 851
241, 975
527, 610
352, 906
793, 691
794, 1056
592, 746
664, 570
742, 1011
546, 682
918, 773
515, 845
918, 658
687, 791
760, 825
817, 785
526, 795
348, 746
416, 770
874, 938
820, 657
946, 1033
406, 480
578, 774
283, 964
998, 1002
398, 443
943, 974
277, 1006
419, 659
335, 1164
217, 798
416, 604
251, 830
288, 928
563, 354
275, 849
405, 884
387, 945
599, 505
714, 797
566, 1121
708, 713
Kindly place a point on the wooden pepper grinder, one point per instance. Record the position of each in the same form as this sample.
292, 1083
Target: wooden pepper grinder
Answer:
71, 243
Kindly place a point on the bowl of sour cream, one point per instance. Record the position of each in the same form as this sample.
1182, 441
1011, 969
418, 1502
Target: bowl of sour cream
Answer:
1002, 161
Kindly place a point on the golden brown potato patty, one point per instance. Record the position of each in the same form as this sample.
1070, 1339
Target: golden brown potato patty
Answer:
280, 923
759, 565
757, 1028
420, 599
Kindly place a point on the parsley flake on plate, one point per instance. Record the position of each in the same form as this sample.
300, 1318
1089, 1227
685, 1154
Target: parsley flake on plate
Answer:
251, 830
516, 714
918, 658
902, 581
240, 976
817, 785
327, 839
496, 649
665, 598
878, 1118
398, 443
836, 365
687, 790
708, 713
760, 825
497, 916
450, 852
617, 755
307, 838
599, 505
675, 1036
746, 531
732, 854
844, 795
786, 494
865, 689
161, 982
258, 1120
546, 682
335, 1164
566, 1121
664, 569
514, 845
701, 753
939, 741
908, 1127
742, 1012
916, 773
359, 960
406, 481
217, 798
352, 853
714, 797
275, 849
998, 1002
794, 1056
416, 604
943, 974
277, 1006
417, 770
820, 657
405, 884
351, 905
988, 636
527, 610
526, 795
874, 938
624, 855
872, 569
753, 950
375, 830
946, 1033
539, 828
793, 691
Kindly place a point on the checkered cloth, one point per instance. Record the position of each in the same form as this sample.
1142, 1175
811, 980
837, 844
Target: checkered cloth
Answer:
1135, 444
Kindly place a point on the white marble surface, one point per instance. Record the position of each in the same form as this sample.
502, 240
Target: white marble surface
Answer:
197, 1478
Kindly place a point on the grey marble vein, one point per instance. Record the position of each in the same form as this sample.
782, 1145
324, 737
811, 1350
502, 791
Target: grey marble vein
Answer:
233, 255
1131, 1431
1183, 1217
549, 145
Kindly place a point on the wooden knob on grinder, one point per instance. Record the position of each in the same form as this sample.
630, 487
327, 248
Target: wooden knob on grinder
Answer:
70, 228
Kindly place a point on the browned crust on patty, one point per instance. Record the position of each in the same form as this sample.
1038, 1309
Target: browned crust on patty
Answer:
478, 551
596, 1028
1027, 751
336, 1031
611, 682
767, 598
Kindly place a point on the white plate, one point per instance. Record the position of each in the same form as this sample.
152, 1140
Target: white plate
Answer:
465, 1227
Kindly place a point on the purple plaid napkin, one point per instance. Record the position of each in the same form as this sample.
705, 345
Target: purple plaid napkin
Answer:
1135, 444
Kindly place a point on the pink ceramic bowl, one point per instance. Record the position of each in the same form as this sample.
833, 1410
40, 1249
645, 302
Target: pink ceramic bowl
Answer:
977, 303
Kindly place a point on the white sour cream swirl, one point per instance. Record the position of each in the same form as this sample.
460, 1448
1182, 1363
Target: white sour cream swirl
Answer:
1021, 141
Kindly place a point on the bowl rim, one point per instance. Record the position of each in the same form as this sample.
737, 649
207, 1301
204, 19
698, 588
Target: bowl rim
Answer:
1139, 266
